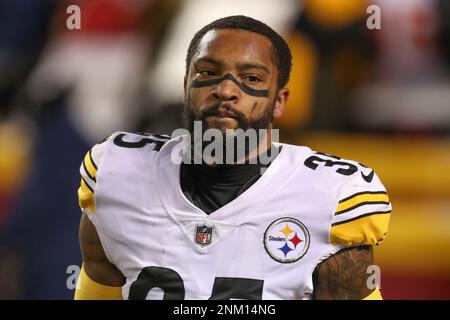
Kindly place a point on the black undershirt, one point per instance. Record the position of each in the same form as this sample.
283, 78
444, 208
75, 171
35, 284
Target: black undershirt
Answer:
211, 187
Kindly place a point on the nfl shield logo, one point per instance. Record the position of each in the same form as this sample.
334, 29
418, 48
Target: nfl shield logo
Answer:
203, 235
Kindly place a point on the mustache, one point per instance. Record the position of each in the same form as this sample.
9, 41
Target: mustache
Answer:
214, 110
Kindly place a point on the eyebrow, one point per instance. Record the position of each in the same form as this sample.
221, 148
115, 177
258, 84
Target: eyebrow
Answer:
208, 60
253, 66
240, 65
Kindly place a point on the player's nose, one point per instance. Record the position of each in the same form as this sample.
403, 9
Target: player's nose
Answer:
227, 90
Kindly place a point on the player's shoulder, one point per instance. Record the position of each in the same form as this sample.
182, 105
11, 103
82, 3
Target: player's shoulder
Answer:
363, 206
341, 171
324, 169
119, 151
126, 141
135, 140
122, 143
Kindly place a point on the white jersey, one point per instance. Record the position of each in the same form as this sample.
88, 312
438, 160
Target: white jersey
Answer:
265, 244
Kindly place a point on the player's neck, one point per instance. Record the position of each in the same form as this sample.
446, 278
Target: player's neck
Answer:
254, 156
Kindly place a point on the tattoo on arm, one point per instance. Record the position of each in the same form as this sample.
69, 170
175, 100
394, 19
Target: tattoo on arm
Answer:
344, 275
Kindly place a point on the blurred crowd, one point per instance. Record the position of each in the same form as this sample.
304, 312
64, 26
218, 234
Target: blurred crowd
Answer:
62, 90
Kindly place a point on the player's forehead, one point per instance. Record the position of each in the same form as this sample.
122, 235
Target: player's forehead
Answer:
235, 46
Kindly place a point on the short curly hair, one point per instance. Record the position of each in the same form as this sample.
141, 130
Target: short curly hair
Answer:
281, 52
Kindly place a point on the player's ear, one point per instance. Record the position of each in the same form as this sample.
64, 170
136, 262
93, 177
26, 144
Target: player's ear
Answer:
280, 102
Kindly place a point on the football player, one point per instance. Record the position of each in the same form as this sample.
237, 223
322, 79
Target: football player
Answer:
298, 226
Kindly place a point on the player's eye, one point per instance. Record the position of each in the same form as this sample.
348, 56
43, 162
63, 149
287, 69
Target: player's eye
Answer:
252, 79
207, 73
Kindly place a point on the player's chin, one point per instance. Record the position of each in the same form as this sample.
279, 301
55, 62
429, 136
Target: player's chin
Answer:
221, 123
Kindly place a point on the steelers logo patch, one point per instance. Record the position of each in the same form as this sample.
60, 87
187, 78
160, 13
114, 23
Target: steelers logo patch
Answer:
286, 240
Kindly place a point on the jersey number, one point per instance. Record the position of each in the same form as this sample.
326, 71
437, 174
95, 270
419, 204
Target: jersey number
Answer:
147, 139
170, 282
345, 169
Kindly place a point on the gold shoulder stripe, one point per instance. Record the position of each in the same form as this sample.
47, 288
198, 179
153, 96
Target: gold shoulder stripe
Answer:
368, 229
360, 199
91, 170
86, 196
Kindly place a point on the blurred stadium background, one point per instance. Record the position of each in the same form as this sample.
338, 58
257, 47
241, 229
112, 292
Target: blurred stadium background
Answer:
377, 96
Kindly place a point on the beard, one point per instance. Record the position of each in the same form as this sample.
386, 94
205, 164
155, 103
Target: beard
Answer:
244, 123
230, 137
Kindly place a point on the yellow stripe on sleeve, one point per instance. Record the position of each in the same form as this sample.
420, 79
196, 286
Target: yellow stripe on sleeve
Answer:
90, 166
370, 229
360, 199
88, 289
86, 197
